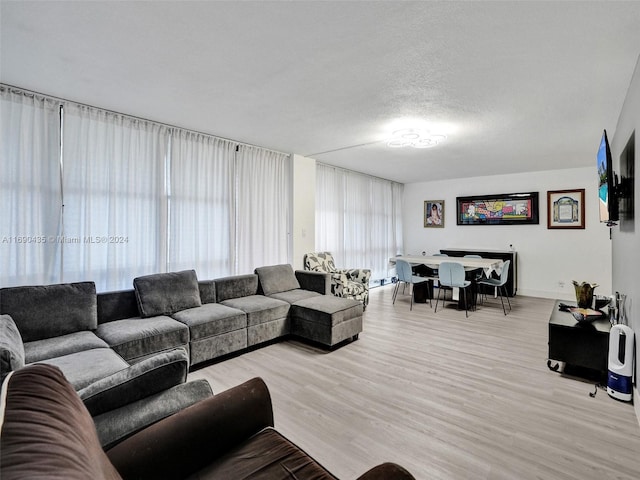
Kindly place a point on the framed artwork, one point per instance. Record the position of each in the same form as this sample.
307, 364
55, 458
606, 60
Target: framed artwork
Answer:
499, 209
434, 213
565, 208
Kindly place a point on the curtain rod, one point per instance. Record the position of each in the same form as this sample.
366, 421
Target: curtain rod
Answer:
27, 92
359, 173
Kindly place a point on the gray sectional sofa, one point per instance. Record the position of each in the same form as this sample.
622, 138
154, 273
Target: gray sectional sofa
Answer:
58, 325
127, 353
217, 317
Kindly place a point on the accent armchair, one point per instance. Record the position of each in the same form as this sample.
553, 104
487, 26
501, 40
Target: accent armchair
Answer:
348, 283
47, 432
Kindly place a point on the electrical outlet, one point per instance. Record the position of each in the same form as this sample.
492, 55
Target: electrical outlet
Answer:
561, 283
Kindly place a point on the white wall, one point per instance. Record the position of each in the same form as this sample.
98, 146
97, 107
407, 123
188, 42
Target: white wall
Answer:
303, 231
548, 260
626, 237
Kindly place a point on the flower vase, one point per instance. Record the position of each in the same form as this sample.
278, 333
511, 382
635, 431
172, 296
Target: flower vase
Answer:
584, 293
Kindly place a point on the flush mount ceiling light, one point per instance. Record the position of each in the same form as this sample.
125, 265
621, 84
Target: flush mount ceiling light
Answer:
413, 137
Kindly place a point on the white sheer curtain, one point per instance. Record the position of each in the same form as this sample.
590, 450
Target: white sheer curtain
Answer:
358, 219
127, 197
201, 204
263, 208
115, 213
330, 210
30, 191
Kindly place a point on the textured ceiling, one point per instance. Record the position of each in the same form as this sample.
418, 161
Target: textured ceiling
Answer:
516, 86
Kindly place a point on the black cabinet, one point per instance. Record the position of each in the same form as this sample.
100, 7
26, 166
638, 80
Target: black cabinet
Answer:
579, 344
512, 281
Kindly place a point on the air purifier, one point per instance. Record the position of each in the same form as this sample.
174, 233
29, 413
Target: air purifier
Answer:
619, 382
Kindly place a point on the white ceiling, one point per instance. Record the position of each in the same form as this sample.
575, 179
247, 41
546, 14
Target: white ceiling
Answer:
516, 86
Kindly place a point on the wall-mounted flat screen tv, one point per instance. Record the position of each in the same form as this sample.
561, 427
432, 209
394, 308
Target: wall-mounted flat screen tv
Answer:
608, 204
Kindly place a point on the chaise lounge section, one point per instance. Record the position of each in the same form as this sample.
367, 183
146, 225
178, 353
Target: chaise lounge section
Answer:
323, 319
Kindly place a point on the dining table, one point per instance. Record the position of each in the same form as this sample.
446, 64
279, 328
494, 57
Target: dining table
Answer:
487, 265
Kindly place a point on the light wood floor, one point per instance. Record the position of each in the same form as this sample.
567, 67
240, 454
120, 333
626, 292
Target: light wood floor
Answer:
445, 396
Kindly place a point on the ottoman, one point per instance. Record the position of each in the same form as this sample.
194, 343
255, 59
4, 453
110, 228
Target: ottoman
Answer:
326, 319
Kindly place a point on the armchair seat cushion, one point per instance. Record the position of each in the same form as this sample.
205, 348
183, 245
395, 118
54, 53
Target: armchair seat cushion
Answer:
266, 455
352, 289
40, 350
103, 361
137, 338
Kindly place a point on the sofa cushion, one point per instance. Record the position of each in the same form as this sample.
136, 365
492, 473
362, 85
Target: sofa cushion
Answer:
136, 338
62, 444
117, 305
44, 349
47, 311
277, 279
236, 286
211, 319
11, 346
293, 296
148, 377
207, 291
83, 368
327, 309
259, 309
167, 293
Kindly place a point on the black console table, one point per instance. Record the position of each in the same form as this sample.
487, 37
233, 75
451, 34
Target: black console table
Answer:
512, 281
584, 345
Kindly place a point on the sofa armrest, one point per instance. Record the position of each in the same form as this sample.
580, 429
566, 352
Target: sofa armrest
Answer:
116, 425
147, 377
315, 281
186, 442
387, 471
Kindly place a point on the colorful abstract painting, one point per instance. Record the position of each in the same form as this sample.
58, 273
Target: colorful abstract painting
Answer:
507, 209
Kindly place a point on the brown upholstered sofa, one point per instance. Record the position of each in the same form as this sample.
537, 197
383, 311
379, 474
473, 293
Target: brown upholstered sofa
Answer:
47, 432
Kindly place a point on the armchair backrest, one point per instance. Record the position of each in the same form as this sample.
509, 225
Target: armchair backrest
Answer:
320, 262
46, 427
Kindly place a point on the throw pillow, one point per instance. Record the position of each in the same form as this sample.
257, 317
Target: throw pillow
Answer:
167, 293
277, 279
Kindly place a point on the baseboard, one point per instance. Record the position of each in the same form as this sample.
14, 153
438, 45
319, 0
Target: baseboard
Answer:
547, 294
636, 403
